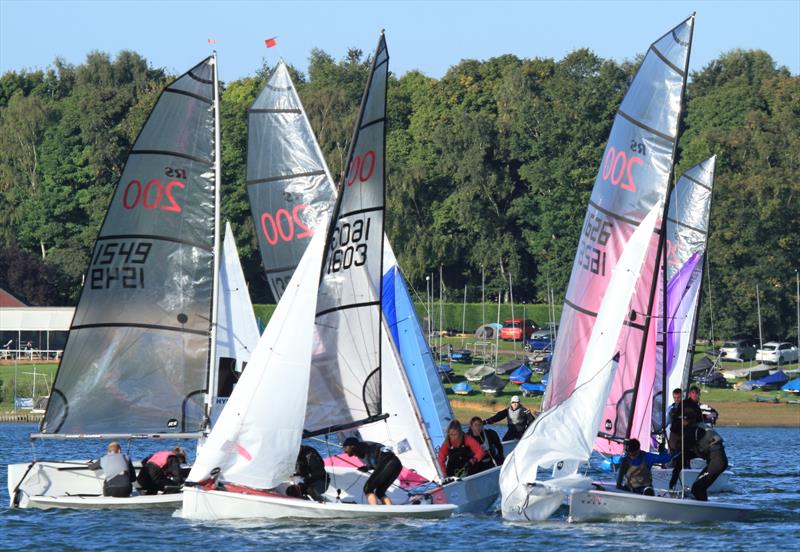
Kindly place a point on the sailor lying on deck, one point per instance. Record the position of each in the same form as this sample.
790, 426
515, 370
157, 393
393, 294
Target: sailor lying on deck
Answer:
634, 469
117, 470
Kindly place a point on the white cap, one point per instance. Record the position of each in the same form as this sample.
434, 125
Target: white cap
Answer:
515, 398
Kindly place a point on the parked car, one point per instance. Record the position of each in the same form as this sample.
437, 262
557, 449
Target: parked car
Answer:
739, 349
779, 353
514, 329
541, 340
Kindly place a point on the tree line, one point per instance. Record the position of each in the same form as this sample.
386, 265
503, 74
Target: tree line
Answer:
489, 170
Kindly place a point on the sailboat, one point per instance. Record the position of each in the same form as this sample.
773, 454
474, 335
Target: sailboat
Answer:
322, 352
287, 174
686, 239
621, 227
142, 354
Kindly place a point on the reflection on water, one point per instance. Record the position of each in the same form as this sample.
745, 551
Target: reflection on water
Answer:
766, 463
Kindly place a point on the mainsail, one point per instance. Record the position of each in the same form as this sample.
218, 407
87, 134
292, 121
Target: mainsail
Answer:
345, 388
563, 436
288, 181
632, 179
138, 352
687, 235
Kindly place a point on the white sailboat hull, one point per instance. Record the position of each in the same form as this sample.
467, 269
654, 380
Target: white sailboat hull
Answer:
214, 504
72, 485
604, 505
474, 494
722, 484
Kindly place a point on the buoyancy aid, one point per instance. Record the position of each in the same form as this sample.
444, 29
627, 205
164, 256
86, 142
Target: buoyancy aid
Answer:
518, 418
160, 458
373, 453
113, 465
460, 455
639, 475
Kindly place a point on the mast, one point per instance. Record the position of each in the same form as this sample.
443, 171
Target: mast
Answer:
212, 350
662, 232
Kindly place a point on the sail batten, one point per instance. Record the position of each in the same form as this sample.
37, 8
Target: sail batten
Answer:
125, 370
632, 179
346, 363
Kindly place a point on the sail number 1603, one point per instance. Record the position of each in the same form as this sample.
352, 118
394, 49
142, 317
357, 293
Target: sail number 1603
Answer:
349, 245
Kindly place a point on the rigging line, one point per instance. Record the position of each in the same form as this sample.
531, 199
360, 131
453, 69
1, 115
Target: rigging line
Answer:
701, 184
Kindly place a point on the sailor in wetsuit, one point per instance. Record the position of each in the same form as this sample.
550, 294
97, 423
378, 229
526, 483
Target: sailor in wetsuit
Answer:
634, 469
489, 441
117, 470
161, 471
519, 418
311, 469
385, 466
708, 446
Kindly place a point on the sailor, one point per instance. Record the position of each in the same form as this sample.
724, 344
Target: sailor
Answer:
634, 469
460, 454
117, 470
682, 422
708, 446
161, 471
383, 463
519, 418
310, 469
489, 441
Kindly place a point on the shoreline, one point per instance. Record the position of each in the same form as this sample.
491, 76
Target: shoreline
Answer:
731, 414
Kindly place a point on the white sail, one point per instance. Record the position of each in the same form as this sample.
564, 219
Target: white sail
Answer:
402, 430
346, 388
256, 439
566, 432
237, 330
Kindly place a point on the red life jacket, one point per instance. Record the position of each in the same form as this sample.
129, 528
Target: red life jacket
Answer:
160, 458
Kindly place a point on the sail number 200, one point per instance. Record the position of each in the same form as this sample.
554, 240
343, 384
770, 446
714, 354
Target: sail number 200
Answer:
348, 245
618, 169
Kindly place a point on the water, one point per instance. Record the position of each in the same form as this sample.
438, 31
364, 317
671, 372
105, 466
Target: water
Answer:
766, 462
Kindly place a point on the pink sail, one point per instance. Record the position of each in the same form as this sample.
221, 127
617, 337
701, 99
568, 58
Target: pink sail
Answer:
633, 179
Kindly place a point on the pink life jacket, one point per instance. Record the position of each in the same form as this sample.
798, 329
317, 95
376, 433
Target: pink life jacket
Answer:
160, 458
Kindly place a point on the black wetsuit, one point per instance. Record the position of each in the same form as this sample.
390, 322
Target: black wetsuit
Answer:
385, 466
709, 447
518, 421
311, 467
489, 440
167, 479
689, 411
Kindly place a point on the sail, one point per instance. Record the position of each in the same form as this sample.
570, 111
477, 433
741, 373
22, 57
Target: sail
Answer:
564, 434
686, 238
345, 383
402, 429
287, 179
257, 436
417, 360
138, 351
237, 329
632, 179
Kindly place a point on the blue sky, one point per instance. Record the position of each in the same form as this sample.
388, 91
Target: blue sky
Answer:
429, 36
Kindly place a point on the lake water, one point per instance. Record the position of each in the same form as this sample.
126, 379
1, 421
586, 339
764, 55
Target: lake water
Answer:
766, 463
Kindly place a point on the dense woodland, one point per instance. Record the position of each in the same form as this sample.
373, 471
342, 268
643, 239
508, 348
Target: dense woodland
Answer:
490, 167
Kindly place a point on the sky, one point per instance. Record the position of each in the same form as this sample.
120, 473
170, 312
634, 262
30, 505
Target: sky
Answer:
427, 36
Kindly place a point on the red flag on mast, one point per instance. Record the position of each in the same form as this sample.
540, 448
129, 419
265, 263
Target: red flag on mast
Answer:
270, 42
212, 41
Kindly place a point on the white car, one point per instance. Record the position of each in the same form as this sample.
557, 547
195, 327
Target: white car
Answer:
777, 353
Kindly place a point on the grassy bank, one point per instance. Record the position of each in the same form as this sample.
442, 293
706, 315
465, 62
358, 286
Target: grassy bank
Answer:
736, 408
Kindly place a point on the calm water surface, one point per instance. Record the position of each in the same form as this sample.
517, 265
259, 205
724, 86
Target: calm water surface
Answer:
766, 462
